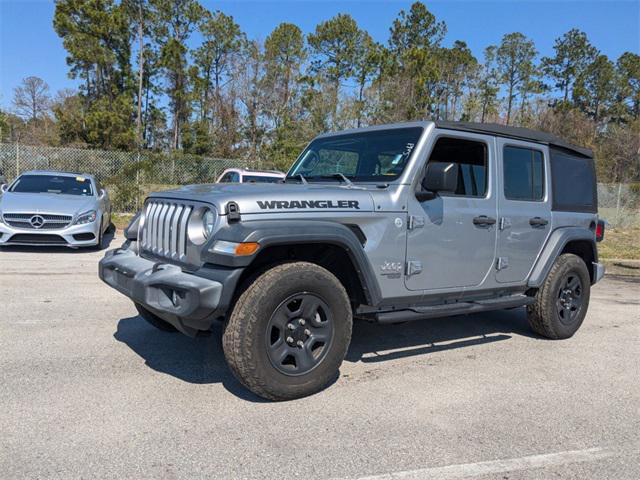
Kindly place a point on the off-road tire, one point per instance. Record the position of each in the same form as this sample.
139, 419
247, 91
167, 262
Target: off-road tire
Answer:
543, 315
245, 340
154, 320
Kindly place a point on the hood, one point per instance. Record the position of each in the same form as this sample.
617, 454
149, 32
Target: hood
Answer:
277, 197
45, 203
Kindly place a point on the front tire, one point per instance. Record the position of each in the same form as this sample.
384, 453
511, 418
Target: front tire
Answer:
561, 304
289, 331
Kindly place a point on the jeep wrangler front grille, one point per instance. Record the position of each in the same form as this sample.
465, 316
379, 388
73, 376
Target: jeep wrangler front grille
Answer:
164, 232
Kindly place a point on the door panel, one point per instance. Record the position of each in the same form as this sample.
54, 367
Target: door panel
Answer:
451, 248
524, 210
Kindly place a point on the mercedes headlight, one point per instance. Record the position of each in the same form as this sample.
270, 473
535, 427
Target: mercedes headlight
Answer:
208, 222
86, 217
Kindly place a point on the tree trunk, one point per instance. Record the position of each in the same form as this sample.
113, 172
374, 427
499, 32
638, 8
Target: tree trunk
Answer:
360, 94
509, 103
140, 74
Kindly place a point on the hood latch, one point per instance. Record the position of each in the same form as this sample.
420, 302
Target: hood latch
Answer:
233, 212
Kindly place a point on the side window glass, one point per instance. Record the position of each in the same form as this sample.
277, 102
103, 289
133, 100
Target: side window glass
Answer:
235, 177
523, 174
471, 158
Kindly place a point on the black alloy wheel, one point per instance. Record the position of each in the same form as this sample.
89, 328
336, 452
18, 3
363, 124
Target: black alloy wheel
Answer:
299, 333
569, 300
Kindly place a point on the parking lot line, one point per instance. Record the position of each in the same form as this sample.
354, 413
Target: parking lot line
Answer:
467, 470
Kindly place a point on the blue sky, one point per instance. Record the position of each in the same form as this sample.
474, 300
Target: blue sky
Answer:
29, 46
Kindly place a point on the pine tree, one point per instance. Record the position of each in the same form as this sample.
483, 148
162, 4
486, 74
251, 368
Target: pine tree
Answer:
573, 53
515, 57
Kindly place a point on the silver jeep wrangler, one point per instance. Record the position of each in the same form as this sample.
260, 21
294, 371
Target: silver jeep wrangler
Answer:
387, 224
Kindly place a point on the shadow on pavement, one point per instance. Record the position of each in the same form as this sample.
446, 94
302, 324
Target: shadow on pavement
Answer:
200, 360
376, 343
195, 360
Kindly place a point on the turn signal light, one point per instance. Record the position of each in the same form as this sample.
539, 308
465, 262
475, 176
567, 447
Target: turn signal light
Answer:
234, 248
248, 248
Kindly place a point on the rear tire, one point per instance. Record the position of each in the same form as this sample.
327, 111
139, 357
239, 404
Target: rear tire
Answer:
561, 304
154, 320
289, 331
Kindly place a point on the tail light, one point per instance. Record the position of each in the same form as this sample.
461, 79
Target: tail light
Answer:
600, 231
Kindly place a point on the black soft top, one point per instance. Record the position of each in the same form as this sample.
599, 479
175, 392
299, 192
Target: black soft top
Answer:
515, 132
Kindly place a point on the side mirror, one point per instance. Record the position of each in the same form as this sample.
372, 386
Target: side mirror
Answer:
438, 177
4, 187
102, 193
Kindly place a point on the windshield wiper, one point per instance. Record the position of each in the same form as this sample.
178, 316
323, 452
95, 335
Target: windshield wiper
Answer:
297, 175
339, 176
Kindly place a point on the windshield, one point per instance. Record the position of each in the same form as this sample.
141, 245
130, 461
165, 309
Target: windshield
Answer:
260, 179
63, 185
361, 157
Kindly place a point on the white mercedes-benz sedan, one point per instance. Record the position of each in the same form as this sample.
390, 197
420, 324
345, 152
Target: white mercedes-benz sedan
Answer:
47, 208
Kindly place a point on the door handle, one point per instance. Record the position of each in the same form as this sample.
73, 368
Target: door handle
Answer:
484, 221
538, 222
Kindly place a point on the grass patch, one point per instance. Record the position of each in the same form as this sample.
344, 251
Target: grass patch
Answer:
121, 220
620, 243
627, 268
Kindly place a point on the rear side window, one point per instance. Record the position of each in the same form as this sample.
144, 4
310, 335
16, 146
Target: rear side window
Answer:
260, 179
471, 158
523, 174
573, 180
230, 177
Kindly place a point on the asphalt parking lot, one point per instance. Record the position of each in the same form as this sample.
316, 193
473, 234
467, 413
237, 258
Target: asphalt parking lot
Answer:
89, 390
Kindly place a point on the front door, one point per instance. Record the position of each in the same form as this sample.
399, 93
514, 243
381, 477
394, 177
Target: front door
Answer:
524, 208
451, 240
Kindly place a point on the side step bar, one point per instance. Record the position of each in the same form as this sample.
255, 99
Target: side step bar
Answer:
460, 308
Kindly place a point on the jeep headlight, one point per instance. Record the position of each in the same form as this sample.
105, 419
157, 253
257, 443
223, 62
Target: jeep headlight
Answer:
208, 222
86, 217
201, 225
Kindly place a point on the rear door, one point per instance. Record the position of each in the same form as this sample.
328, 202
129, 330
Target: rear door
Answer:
524, 208
452, 238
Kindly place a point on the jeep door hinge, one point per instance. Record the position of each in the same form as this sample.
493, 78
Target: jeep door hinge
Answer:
414, 267
502, 263
415, 222
505, 223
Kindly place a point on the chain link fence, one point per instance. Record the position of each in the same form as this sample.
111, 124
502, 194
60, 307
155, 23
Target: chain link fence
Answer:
129, 176
619, 204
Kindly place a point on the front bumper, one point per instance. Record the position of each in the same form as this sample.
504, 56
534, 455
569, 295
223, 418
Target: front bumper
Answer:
187, 301
85, 235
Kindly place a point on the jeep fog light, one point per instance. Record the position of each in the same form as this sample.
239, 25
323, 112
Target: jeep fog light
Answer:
234, 248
